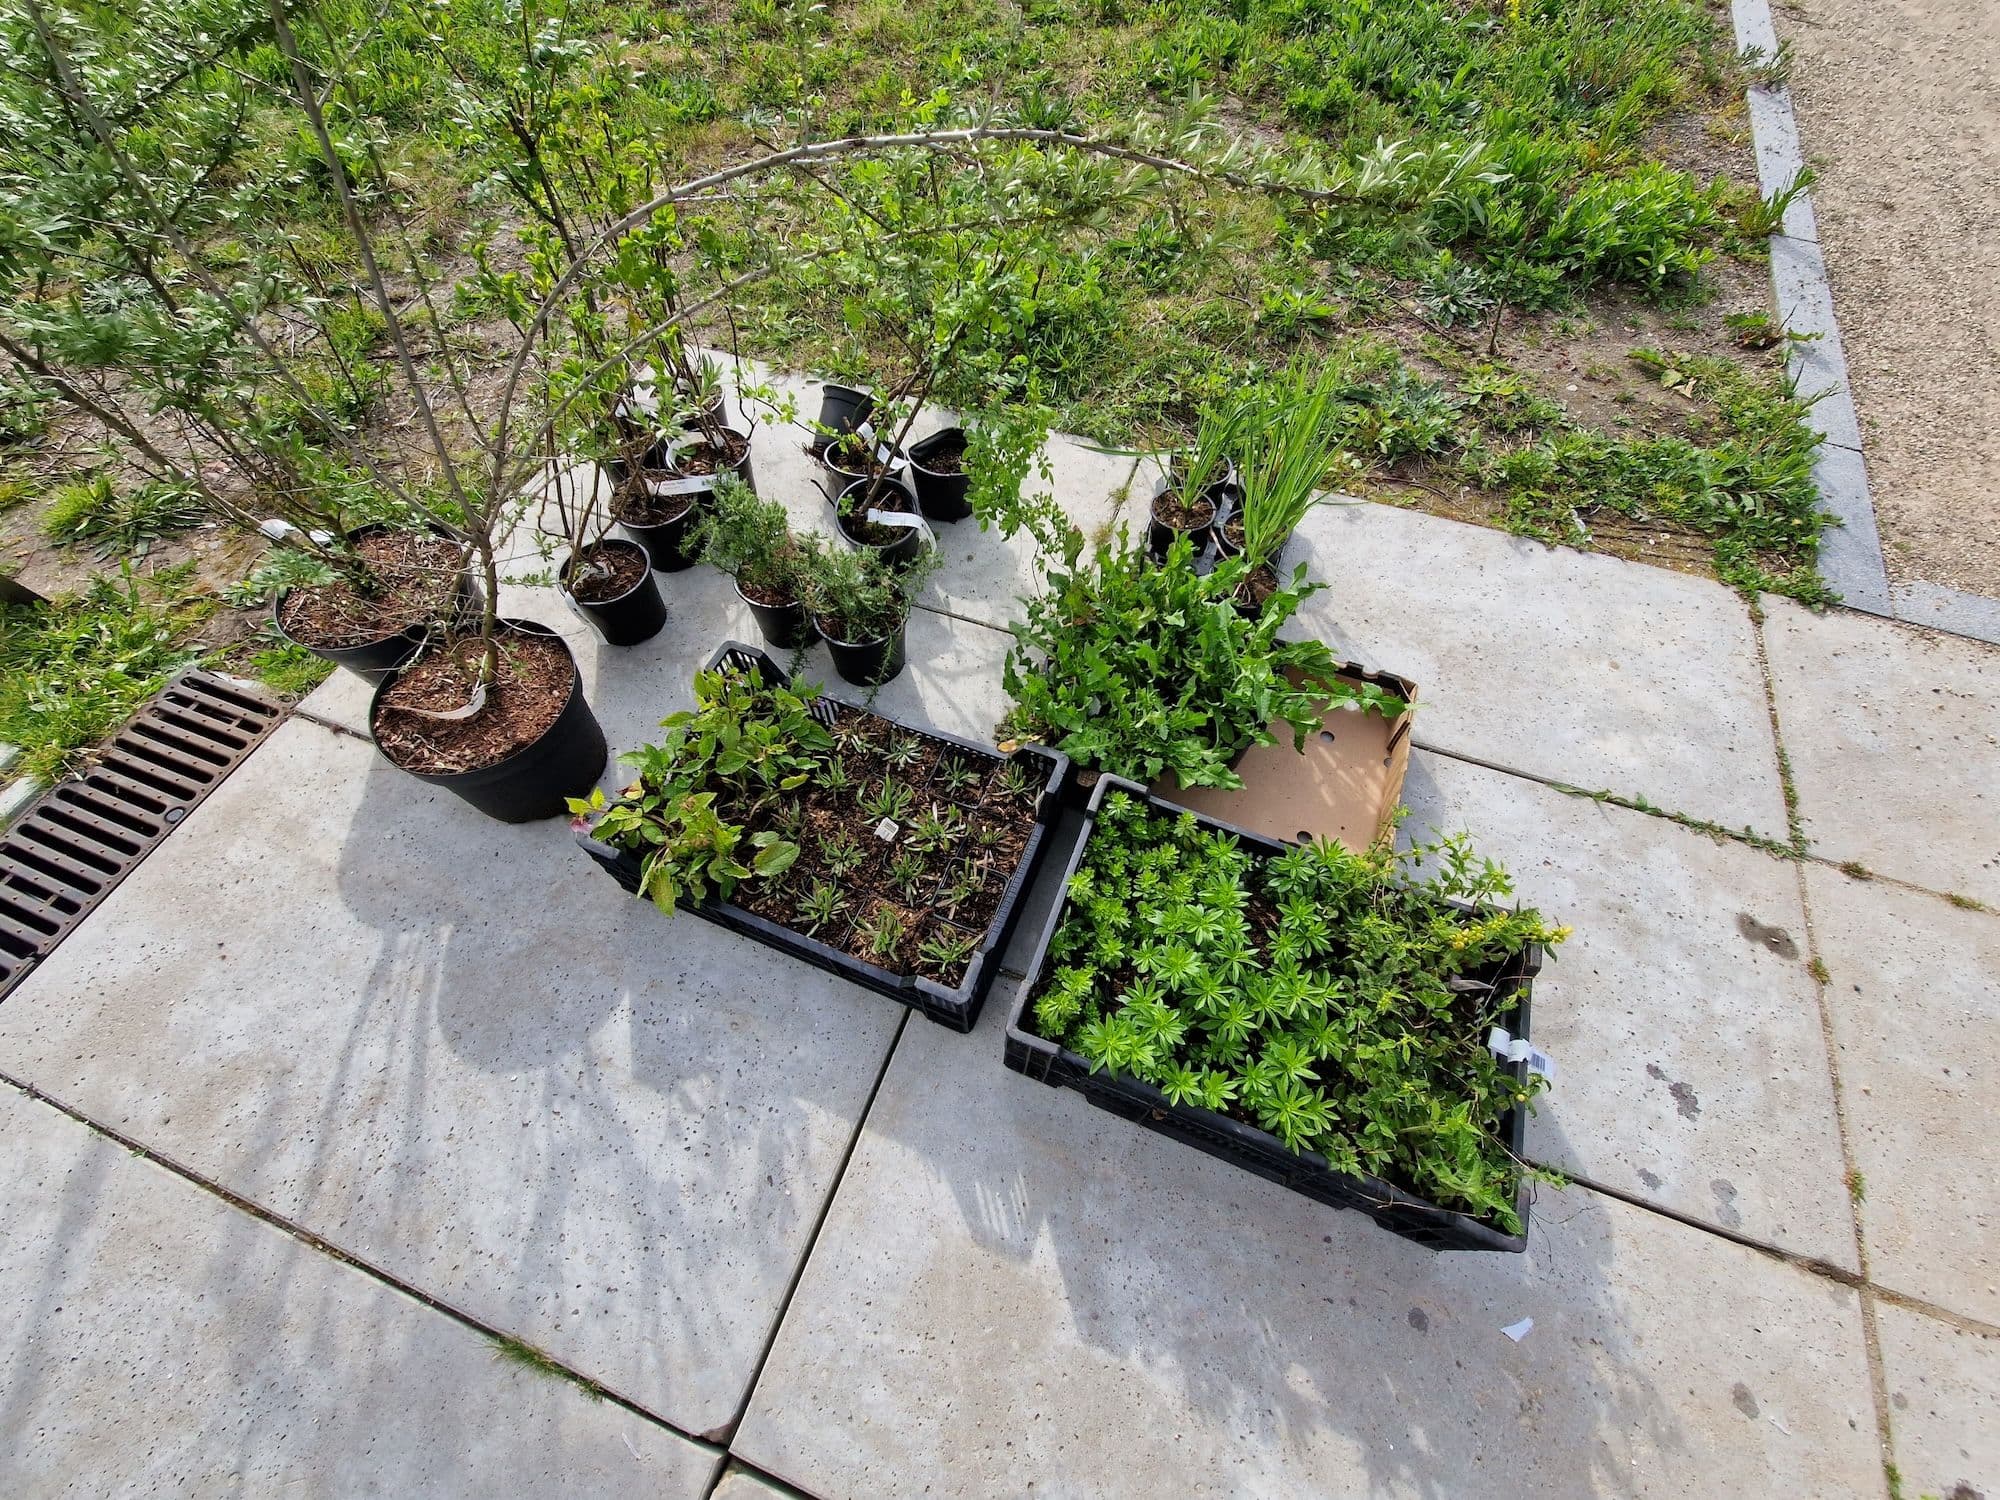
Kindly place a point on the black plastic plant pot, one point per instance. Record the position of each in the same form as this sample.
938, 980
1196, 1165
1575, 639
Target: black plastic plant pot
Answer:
636, 615
537, 780
868, 663
668, 543
375, 660
675, 482
785, 626
842, 408
957, 1008
1161, 536
1303, 1172
942, 497
906, 549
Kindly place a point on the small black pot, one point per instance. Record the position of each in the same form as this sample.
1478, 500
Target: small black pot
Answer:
703, 484
537, 780
1160, 536
667, 543
786, 626
842, 408
868, 663
375, 660
900, 553
633, 616
940, 496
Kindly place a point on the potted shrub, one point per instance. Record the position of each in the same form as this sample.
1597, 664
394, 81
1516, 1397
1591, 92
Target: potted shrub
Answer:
1139, 668
377, 597
861, 607
608, 581
869, 514
892, 856
751, 540
1320, 1017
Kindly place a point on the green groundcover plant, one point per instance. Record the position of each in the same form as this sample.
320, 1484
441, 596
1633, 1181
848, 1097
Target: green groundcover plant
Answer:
1138, 668
1340, 1001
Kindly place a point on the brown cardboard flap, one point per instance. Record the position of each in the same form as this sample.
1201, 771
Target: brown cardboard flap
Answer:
1345, 785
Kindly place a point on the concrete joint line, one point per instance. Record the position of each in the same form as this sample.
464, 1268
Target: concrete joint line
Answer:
1850, 551
328, 1248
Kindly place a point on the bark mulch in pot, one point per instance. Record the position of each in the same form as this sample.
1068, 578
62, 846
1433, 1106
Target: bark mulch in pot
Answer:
522, 704
419, 573
640, 506
701, 457
1172, 510
948, 457
603, 572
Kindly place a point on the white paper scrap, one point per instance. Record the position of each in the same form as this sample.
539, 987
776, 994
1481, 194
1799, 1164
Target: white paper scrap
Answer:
1520, 1330
887, 829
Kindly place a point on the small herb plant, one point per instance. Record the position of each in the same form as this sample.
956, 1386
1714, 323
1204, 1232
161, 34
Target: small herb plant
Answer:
1339, 1001
760, 799
1138, 668
751, 540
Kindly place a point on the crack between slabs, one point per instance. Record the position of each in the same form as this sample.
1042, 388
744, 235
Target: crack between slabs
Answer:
496, 1336
1878, 1380
725, 1434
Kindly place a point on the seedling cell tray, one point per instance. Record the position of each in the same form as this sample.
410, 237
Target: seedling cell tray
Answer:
956, 1007
1246, 1146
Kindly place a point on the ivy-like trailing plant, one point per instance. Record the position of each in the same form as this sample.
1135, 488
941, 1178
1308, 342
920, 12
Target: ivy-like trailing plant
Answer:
1138, 669
1339, 1001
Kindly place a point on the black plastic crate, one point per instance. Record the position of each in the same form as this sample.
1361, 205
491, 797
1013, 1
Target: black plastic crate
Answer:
1246, 1146
957, 1008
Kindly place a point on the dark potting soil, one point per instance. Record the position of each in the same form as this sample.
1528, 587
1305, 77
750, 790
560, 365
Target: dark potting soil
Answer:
950, 891
1232, 532
605, 572
1257, 587
758, 593
640, 506
417, 575
854, 510
944, 458
849, 457
703, 458
1172, 510
525, 698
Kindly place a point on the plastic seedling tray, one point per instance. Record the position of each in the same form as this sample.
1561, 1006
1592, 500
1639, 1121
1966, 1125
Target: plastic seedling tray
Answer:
1244, 1145
956, 1007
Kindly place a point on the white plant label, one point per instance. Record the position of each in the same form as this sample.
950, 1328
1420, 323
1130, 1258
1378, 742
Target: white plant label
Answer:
1520, 1049
887, 829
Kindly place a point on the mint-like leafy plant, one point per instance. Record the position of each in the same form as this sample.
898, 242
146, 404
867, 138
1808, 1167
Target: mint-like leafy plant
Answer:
1340, 1001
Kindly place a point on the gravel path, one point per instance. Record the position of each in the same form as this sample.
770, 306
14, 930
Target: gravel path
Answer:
1899, 111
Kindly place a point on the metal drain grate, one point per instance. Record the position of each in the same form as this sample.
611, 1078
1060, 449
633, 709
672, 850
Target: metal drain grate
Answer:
66, 853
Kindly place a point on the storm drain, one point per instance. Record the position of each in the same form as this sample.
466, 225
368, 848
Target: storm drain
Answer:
67, 852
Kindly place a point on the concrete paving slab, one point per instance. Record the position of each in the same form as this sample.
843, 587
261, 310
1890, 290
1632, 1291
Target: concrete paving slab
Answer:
1589, 670
1894, 739
741, 1484
1914, 993
155, 1340
1944, 1403
456, 1049
1686, 1029
1059, 1300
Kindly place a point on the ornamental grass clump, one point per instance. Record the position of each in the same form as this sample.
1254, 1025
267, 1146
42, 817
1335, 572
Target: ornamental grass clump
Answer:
1340, 1001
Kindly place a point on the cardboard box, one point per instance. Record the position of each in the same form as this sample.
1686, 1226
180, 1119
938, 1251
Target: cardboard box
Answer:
1345, 785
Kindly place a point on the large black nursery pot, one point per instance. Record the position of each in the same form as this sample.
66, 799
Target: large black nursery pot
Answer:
374, 660
636, 615
900, 553
941, 496
703, 484
868, 663
842, 408
786, 626
667, 542
537, 780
